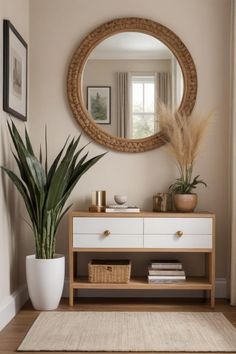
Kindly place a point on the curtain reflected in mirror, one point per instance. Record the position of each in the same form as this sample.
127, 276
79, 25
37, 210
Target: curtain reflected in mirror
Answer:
142, 72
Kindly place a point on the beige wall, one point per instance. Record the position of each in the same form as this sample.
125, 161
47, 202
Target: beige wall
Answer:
57, 27
12, 228
104, 73
233, 161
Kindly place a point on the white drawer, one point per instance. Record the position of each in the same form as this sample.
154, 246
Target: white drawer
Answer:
173, 241
126, 226
111, 241
169, 226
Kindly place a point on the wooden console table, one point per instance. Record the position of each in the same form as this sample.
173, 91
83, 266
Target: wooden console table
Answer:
143, 232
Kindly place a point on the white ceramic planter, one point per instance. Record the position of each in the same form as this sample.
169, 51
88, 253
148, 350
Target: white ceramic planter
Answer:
45, 280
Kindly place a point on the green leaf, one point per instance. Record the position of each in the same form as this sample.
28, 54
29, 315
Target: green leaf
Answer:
182, 186
37, 172
61, 215
60, 177
55, 164
46, 192
21, 188
28, 143
40, 155
16, 138
46, 151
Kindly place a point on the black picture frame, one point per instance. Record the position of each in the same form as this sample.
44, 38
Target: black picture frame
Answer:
105, 93
15, 72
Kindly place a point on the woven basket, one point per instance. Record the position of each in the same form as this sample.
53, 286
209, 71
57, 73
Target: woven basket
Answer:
100, 271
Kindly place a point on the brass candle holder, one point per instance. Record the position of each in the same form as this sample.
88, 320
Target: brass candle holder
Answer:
98, 201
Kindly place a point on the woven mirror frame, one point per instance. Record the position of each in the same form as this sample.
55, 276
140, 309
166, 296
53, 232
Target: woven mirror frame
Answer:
79, 59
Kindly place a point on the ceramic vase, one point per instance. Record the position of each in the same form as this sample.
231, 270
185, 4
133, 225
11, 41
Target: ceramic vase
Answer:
45, 280
185, 202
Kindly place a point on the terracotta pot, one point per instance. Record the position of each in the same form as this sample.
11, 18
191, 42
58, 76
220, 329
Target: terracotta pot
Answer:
185, 202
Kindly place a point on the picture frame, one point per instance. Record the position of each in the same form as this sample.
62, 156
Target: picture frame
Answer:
15, 72
99, 103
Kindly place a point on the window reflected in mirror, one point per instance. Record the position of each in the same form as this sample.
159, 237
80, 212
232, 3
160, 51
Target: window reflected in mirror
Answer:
142, 72
143, 111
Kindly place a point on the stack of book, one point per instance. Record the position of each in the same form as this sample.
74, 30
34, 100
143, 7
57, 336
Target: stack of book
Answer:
123, 208
166, 271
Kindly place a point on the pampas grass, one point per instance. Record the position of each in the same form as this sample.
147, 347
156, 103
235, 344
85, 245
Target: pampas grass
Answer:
183, 136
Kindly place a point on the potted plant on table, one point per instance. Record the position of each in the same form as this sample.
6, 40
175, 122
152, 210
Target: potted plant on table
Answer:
183, 135
45, 191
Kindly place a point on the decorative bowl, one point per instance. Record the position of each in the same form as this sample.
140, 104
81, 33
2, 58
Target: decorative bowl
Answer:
120, 199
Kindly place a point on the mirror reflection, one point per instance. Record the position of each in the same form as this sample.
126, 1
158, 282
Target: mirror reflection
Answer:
125, 78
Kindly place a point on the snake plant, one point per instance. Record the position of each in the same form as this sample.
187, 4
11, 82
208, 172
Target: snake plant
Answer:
46, 190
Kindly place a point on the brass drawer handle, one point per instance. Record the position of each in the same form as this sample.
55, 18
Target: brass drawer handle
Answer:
106, 233
179, 233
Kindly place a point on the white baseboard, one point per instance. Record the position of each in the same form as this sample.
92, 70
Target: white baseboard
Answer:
12, 304
221, 292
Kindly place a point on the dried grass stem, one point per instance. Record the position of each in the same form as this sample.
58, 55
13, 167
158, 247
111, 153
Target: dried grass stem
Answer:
183, 135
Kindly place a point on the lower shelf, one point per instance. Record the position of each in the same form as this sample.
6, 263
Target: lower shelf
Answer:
192, 283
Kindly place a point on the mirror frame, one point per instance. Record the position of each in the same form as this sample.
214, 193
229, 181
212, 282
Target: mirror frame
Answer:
79, 59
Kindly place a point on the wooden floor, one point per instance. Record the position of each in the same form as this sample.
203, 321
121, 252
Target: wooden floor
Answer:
12, 335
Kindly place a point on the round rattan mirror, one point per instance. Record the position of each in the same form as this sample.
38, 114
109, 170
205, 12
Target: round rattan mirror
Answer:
94, 111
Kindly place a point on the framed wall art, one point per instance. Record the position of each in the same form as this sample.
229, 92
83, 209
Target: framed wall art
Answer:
14, 72
99, 103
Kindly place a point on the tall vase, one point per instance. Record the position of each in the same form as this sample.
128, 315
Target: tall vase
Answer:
45, 280
185, 202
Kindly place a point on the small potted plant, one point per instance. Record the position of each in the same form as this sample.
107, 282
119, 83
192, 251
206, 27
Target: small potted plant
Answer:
45, 191
183, 135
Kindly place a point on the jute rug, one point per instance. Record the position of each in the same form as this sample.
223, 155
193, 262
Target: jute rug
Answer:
131, 331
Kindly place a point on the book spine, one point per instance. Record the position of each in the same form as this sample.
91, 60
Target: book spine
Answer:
165, 272
130, 210
163, 266
165, 281
166, 277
